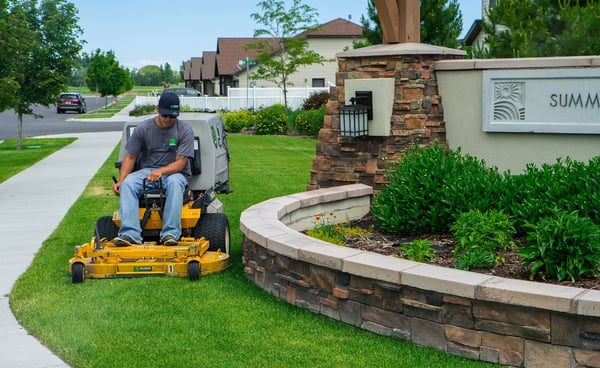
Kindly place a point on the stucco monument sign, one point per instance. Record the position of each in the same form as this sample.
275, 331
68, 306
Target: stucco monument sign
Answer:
542, 101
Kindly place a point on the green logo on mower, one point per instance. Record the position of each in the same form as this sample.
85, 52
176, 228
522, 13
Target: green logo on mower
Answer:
142, 269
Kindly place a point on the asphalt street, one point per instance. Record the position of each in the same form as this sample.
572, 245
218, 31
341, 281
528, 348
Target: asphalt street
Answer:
53, 123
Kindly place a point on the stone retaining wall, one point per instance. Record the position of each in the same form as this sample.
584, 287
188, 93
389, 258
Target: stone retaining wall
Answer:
481, 317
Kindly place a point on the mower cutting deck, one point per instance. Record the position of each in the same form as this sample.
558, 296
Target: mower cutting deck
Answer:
104, 259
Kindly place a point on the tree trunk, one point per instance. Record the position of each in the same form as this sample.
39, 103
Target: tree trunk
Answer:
20, 132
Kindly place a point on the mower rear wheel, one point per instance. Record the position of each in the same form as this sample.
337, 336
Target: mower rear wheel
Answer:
77, 273
214, 227
194, 270
106, 228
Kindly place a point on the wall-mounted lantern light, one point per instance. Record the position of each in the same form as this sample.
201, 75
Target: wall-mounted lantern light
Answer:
354, 119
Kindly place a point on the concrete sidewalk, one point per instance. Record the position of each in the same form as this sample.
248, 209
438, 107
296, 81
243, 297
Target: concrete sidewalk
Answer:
64, 174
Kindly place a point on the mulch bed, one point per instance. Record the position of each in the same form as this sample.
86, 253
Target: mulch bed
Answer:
511, 266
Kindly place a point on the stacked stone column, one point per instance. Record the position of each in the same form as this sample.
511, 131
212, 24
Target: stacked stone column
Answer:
417, 115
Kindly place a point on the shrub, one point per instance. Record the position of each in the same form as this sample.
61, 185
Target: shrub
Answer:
533, 195
478, 235
490, 230
236, 121
140, 110
271, 120
563, 245
477, 258
310, 122
419, 250
539, 187
430, 187
316, 101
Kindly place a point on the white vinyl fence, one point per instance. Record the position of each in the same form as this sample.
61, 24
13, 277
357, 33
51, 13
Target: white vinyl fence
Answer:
240, 98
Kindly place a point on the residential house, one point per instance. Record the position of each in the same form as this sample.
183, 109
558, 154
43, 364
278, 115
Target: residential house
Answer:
192, 72
331, 38
208, 72
475, 36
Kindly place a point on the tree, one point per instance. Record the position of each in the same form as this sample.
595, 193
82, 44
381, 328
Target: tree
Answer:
39, 44
152, 75
541, 28
441, 24
106, 77
78, 75
284, 49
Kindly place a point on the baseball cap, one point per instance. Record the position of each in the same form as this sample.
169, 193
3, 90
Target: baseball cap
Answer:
168, 104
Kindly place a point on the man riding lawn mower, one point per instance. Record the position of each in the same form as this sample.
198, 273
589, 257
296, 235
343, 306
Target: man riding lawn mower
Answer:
153, 244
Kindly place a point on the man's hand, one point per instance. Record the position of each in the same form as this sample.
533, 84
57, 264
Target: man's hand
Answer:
154, 176
117, 188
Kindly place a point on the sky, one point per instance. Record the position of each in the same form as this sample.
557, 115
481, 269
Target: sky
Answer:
152, 32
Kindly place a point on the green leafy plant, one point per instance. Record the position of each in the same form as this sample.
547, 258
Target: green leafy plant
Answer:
271, 120
310, 122
490, 230
430, 187
565, 245
478, 235
420, 250
140, 110
476, 258
236, 121
328, 229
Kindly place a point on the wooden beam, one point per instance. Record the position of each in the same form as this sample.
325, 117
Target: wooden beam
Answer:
400, 20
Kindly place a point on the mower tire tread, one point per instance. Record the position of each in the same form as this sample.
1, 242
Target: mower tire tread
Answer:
194, 270
77, 273
106, 228
214, 227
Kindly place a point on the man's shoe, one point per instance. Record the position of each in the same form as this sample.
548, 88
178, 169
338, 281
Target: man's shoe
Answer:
124, 241
169, 240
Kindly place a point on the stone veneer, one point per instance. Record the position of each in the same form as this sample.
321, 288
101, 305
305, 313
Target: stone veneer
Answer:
481, 317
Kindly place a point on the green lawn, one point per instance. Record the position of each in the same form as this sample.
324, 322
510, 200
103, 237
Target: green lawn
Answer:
223, 320
13, 161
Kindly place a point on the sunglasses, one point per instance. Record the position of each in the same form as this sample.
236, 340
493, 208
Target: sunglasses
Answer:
173, 116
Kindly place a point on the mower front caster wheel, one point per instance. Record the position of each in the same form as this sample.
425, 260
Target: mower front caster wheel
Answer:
194, 270
77, 273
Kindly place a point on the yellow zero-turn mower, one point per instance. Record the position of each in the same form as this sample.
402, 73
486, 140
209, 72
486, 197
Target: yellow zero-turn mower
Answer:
205, 242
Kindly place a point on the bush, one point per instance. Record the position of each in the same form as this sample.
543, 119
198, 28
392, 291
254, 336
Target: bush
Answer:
316, 101
566, 184
271, 120
310, 122
563, 245
478, 235
491, 230
431, 187
237, 121
420, 250
140, 110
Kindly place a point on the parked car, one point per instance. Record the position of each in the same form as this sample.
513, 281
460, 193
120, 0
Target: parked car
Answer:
71, 102
188, 92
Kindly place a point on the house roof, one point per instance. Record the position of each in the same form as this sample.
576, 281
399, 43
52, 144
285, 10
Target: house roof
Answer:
186, 70
231, 50
472, 33
196, 68
209, 65
336, 28
225, 61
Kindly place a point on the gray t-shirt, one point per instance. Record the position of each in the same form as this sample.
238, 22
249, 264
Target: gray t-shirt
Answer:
158, 147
